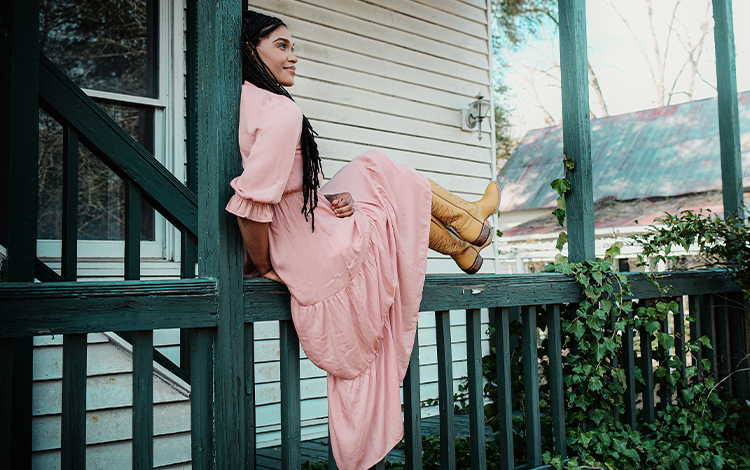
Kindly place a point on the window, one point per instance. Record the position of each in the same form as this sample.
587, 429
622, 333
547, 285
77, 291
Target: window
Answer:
120, 53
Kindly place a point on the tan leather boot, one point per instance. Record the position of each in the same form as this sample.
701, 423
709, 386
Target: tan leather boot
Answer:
466, 218
465, 255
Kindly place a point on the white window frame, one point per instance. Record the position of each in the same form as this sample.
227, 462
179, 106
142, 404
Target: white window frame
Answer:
169, 139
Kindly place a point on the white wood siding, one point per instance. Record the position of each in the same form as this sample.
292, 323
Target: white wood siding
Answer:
393, 75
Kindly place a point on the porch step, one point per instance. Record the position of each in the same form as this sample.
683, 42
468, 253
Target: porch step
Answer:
109, 407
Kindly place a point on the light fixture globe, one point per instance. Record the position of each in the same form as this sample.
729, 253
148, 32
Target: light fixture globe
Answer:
476, 113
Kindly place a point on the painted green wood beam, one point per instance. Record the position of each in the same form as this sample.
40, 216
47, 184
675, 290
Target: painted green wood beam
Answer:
501, 322
68, 104
445, 390
557, 383
73, 416
201, 398
143, 400
577, 128
413, 411
475, 385
19, 147
266, 300
250, 424
218, 63
69, 259
132, 231
729, 124
70, 307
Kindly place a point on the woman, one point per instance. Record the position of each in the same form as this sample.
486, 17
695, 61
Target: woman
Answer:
353, 252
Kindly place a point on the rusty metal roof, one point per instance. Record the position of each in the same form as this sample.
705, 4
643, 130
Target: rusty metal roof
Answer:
666, 151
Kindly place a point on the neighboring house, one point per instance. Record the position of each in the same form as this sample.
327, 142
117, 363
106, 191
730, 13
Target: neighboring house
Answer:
644, 164
390, 74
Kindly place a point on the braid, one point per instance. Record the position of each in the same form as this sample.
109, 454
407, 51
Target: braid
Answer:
256, 26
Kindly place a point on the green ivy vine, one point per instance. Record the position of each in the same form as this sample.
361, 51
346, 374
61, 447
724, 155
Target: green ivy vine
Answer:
702, 427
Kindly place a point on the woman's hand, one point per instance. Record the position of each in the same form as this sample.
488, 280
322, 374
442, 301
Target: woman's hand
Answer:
273, 276
343, 204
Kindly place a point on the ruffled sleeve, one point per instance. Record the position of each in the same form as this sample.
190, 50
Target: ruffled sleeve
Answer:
268, 136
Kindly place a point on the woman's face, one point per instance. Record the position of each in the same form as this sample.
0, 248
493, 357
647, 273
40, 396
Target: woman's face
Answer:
277, 51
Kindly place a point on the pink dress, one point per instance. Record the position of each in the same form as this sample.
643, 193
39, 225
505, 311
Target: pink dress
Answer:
356, 282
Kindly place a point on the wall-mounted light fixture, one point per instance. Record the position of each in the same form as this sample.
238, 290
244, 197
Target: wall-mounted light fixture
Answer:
473, 116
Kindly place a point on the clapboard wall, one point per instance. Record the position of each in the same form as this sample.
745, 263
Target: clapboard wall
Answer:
391, 75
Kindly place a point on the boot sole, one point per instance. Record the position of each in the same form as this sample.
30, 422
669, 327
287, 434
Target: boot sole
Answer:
475, 266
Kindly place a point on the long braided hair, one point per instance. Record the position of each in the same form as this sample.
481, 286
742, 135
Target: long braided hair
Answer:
256, 26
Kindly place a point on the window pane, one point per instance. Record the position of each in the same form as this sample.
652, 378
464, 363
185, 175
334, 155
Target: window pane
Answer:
101, 195
107, 45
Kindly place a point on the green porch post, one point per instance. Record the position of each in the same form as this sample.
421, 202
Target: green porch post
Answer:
19, 136
219, 248
731, 167
577, 128
729, 125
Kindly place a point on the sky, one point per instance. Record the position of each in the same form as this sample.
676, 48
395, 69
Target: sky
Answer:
620, 67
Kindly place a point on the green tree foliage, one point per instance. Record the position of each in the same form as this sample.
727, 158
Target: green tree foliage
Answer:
513, 22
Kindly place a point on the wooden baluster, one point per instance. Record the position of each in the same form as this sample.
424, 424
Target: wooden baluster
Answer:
291, 431
132, 231
739, 332
143, 400
722, 347
628, 362
73, 419
665, 397
531, 387
647, 369
504, 401
412, 411
445, 390
695, 303
476, 397
249, 395
615, 363
201, 398
679, 339
331, 459
143, 341
69, 259
556, 383
188, 257
708, 327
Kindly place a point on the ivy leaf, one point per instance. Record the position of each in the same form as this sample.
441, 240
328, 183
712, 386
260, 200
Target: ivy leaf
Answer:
597, 275
705, 342
585, 438
621, 377
652, 326
560, 214
577, 329
609, 344
561, 185
665, 340
613, 250
562, 239
632, 454
561, 202
599, 352
569, 163
597, 415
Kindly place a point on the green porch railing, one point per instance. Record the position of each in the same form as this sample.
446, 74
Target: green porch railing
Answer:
74, 309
